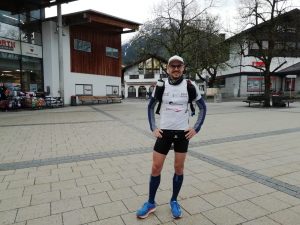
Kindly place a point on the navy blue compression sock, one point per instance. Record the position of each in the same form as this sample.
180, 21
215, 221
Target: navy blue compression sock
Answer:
177, 183
153, 186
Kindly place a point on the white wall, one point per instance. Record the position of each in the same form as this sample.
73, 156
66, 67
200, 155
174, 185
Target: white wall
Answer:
51, 73
50, 55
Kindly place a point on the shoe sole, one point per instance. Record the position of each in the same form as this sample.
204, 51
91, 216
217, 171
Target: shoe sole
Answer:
146, 215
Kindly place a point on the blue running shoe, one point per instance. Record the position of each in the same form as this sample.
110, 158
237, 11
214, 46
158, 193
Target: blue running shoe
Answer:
175, 209
145, 210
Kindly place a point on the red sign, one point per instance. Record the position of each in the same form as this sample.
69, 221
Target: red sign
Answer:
258, 64
7, 45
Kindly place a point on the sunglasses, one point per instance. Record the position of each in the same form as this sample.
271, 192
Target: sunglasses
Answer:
173, 66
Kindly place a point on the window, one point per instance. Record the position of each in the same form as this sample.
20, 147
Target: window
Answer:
83, 89
112, 52
133, 76
9, 31
279, 45
83, 46
289, 84
255, 84
149, 76
112, 90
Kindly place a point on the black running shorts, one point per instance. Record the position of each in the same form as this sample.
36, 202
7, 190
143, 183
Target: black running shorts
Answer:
169, 137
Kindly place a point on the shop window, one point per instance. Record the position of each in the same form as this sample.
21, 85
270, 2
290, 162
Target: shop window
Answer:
112, 52
84, 89
84, 46
31, 74
10, 74
112, 90
255, 84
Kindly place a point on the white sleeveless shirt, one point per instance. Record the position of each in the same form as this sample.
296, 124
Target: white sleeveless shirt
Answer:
174, 113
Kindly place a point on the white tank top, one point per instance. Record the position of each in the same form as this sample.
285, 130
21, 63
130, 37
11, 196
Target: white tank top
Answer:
174, 114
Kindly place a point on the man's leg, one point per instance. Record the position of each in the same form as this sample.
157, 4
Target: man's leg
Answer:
177, 183
157, 165
150, 206
178, 175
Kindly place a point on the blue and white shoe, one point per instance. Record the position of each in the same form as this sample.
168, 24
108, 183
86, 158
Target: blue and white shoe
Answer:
175, 209
145, 210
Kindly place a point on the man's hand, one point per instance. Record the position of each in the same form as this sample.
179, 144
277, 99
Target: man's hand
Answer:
157, 133
190, 133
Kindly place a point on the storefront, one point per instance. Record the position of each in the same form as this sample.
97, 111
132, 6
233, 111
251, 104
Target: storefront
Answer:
21, 51
39, 58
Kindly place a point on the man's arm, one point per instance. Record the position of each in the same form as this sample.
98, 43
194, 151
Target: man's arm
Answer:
201, 115
151, 115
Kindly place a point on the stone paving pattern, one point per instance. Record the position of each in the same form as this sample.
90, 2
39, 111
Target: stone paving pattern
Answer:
90, 165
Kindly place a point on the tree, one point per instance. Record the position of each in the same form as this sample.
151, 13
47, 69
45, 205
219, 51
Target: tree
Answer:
182, 27
268, 20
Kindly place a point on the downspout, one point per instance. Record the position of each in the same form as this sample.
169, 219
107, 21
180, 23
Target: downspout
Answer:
60, 53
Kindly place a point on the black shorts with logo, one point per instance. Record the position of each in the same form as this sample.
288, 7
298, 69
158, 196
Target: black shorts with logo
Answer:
169, 137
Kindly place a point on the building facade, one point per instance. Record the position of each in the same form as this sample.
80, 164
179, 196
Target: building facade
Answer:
88, 63
91, 54
21, 50
244, 74
140, 77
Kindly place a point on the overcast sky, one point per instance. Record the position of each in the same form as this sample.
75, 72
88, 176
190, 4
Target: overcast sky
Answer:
141, 11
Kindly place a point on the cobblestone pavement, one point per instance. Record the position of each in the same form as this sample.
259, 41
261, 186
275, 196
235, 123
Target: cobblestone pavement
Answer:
91, 164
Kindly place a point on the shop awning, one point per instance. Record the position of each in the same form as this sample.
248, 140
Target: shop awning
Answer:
18, 6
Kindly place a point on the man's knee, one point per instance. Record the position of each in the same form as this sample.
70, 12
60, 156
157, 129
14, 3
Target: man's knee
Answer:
156, 169
179, 169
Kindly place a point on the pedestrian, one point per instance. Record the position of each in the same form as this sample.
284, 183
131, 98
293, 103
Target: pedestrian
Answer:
174, 129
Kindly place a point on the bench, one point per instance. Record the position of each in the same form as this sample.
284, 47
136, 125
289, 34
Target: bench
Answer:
99, 99
258, 99
281, 101
254, 101
277, 101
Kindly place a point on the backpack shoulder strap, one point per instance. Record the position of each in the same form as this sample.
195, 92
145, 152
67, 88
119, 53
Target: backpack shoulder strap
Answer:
191, 90
159, 91
192, 93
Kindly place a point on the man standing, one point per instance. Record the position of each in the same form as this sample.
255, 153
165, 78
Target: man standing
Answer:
174, 129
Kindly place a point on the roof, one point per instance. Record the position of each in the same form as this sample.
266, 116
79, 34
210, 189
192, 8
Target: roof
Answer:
18, 6
282, 17
144, 59
291, 70
98, 19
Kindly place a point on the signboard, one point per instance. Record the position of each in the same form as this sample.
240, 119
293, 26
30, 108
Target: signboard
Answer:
32, 50
12, 46
258, 64
291, 76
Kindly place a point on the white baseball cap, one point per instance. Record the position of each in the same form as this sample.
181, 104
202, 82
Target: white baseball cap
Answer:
175, 58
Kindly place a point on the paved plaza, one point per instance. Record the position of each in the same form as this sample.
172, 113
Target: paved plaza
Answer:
90, 165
